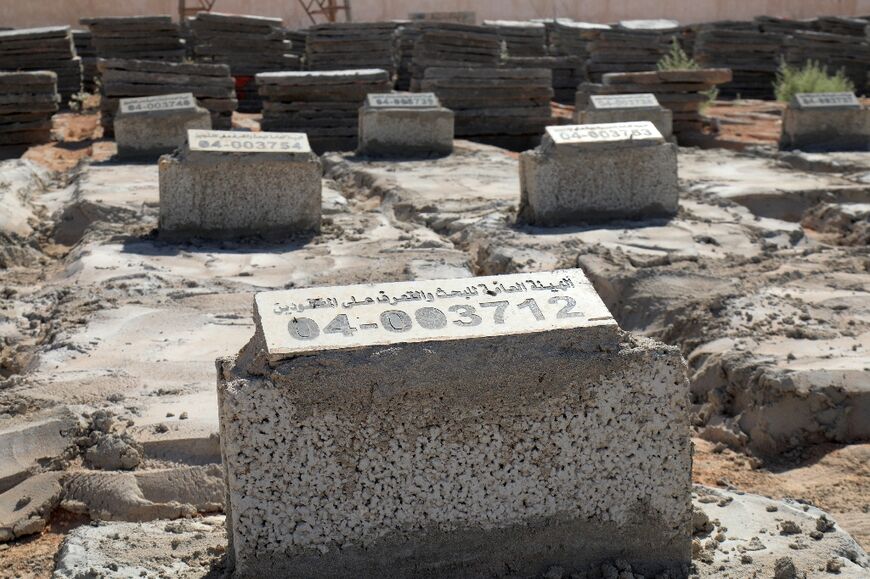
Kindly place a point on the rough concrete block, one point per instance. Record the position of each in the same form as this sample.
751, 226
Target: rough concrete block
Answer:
405, 125
594, 173
626, 108
823, 122
224, 184
454, 428
151, 126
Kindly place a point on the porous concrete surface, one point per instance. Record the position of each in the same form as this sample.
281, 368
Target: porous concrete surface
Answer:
561, 185
429, 459
217, 195
825, 129
151, 134
411, 132
736, 535
661, 117
186, 549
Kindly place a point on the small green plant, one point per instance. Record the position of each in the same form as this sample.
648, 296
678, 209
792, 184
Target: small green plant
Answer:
677, 59
811, 77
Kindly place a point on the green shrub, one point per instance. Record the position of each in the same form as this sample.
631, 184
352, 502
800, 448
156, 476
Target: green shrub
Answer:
812, 77
677, 59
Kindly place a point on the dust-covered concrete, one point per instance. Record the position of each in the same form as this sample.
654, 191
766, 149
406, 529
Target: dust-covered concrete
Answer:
760, 280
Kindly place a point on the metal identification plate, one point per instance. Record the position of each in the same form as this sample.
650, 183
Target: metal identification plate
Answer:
624, 101
605, 133
244, 142
164, 102
402, 100
827, 100
307, 320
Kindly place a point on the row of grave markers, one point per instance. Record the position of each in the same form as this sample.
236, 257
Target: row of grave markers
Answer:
601, 109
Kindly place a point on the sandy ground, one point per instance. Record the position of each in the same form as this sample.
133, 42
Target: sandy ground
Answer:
108, 336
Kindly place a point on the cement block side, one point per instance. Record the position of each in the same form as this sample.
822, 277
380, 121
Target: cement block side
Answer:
151, 135
451, 459
228, 195
826, 130
406, 131
561, 186
662, 118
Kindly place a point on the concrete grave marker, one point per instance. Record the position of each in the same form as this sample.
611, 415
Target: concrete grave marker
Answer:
593, 173
228, 184
147, 127
450, 428
165, 102
624, 108
404, 124
820, 122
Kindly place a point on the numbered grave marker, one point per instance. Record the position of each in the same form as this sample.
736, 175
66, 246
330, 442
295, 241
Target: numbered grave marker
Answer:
243, 142
403, 100
154, 104
304, 320
623, 101
607, 133
148, 127
825, 100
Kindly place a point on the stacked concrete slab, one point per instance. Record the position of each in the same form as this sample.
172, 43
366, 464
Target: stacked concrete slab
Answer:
406, 37
322, 104
454, 17
841, 25
248, 45
752, 55
298, 41
349, 45
508, 107
85, 50
568, 72
521, 38
50, 48
444, 44
835, 51
137, 37
27, 102
776, 25
211, 84
630, 46
570, 38
681, 91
